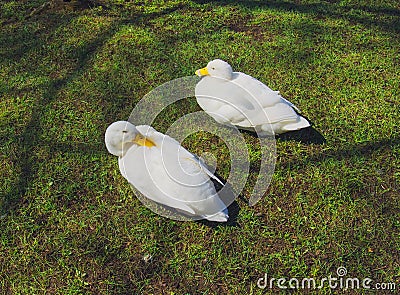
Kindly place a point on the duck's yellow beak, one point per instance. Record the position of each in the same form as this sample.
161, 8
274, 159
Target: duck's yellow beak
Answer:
202, 72
143, 141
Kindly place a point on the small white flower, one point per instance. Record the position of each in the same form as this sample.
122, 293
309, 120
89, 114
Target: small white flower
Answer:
147, 258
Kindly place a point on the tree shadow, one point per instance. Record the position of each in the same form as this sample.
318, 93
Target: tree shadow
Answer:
86, 148
353, 13
30, 137
25, 159
356, 150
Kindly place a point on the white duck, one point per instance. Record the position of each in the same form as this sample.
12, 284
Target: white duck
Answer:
234, 98
165, 172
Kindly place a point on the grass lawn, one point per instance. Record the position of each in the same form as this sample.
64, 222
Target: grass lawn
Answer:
70, 223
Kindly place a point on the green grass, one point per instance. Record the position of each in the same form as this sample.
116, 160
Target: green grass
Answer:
69, 222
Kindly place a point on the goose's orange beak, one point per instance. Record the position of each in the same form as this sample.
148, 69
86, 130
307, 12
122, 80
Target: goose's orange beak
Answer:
143, 141
202, 72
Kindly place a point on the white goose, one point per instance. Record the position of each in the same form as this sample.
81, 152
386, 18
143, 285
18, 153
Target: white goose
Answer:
165, 172
234, 98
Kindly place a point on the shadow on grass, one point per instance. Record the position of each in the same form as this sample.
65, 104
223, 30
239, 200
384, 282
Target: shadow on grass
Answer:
307, 135
233, 211
29, 138
385, 18
356, 150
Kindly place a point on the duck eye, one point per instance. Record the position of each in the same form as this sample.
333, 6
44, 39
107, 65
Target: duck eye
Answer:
124, 131
213, 68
